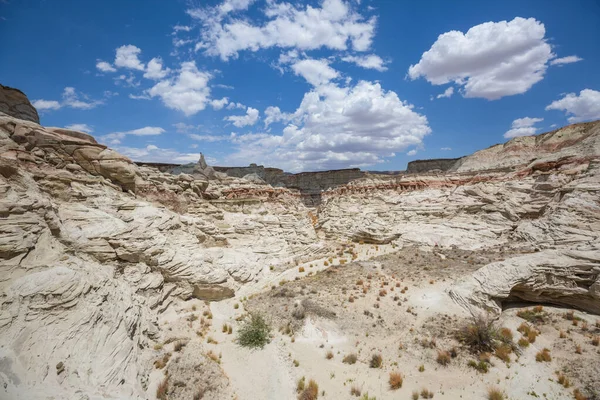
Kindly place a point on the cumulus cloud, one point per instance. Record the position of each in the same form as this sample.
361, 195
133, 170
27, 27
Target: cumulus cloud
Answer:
335, 127
127, 57
116, 137
155, 70
582, 107
80, 128
316, 72
523, 127
412, 153
153, 153
187, 92
370, 61
334, 25
447, 93
70, 98
566, 60
233, 105
274, 114
251, 117
219, 104
45, 105
490, 61
105, 67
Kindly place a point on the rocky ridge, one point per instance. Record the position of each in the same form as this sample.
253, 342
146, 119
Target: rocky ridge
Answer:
95, 250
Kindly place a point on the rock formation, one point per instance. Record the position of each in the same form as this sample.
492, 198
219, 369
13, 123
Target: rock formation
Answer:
97, 252
14, 103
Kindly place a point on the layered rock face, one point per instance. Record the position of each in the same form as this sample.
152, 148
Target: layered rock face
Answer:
93, 248
14, 103
537, 193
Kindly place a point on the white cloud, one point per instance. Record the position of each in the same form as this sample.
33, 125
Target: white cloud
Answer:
127, 57
566, 60
80, 128
219, 104
316, 72
155, 70
70, 98
43, 105
447, 93
251, 117
208, 138
335, 127
492, 60
188, 92
183, 28
446, 148
105, 67
116, 137
142, 96
412, 153
584, 107
126, 80
523, 127
274, 114
232, 105
152, 153
335, 25
221, 86
370, 61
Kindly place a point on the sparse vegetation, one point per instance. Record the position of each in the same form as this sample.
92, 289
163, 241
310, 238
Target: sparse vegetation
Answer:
543, 356
426, 394
443, 357
495, 394
534, 315
163, 389
310, 392
254, 333
329, 355
349, 359
376, 361
395, 380
355, 390
480, 366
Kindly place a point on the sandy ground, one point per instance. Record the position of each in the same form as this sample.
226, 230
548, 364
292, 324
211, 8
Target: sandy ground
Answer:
387, 301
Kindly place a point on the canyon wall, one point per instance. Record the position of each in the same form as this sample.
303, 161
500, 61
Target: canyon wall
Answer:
439, 164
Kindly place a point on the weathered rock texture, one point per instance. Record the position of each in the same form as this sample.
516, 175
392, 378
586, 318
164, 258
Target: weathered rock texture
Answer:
438, 164
94, 248
13, 102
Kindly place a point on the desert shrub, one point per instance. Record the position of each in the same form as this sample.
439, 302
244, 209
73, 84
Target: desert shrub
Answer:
534, 315
254, 333
480, 335
503, 352
578, 395
349, 359
310, 392
329, 355
479, 366
415, 395
301, 384
563, 380
395, 380
355, 391
523, 342
495, 394
376, 361
543, 356
426, 394
596, 341
506, 334
443, 357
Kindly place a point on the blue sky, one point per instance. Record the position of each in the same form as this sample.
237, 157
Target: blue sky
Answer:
305, 85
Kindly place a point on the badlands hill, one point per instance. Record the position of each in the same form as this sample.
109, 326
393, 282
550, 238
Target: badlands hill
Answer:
126, 281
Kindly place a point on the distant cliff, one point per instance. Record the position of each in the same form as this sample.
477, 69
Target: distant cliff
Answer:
442, 164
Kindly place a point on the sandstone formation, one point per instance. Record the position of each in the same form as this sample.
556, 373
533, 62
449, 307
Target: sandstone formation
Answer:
440, 164
100, 256
14, 103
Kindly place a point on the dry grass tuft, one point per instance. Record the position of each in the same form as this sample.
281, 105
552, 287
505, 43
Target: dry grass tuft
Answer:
395, 380
426, 394
595, 340
329, 355
480, 366
376, 361
543, 356
578, 395
495, 394
563, 380
349, 359
311, 392
443, 357
355, 391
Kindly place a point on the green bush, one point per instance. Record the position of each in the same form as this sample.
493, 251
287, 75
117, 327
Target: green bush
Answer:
254, 333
